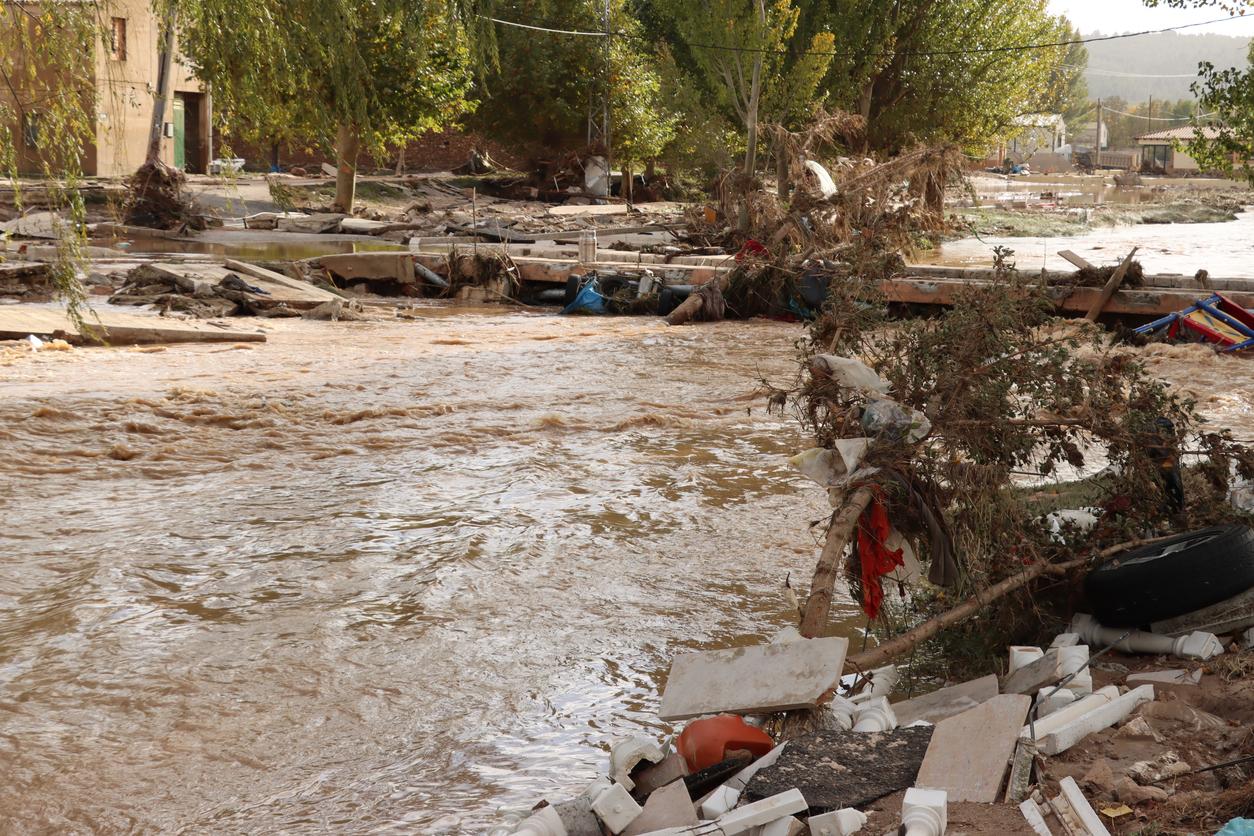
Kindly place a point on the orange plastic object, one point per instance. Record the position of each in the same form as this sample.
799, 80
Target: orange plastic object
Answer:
705, 742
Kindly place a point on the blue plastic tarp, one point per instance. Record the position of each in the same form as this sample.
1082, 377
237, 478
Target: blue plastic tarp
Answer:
589, 300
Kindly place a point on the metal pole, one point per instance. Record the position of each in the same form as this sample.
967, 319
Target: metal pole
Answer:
605, 104
1098, 162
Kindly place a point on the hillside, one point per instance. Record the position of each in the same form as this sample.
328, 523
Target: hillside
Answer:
1170, 53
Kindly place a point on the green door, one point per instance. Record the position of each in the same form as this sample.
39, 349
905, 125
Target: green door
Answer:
180, 152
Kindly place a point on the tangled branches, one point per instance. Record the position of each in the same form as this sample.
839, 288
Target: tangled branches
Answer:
1021, 406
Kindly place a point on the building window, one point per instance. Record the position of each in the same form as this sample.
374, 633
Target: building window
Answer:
117, 39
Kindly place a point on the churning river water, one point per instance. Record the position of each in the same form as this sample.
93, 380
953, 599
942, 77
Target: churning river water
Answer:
388, 576
375, 577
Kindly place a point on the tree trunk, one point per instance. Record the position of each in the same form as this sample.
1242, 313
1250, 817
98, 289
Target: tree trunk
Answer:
346, 144
165, 81
274, 156
627, 187
400, 161
782, 186
819, 604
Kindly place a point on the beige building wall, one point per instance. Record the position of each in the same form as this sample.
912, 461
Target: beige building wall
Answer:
125, 91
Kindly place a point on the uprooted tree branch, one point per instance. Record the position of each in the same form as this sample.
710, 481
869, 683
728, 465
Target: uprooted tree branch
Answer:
968, 428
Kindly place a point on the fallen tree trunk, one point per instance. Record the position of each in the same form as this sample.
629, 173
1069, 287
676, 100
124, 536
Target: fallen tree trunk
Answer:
877, 656
819, 604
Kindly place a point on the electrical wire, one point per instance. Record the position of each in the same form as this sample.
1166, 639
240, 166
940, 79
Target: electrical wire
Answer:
969, 51
546, 29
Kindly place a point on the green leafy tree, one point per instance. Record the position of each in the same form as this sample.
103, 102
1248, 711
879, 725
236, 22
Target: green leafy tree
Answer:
923, 70
543, 87
48, 117
368, 74
746, 56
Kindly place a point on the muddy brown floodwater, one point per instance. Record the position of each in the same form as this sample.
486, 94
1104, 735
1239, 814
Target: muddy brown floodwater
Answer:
387, 577
375, 577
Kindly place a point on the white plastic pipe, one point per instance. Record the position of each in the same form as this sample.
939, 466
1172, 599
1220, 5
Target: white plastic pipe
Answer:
1197, 645
875, 715
1022, 655
1072, 660
923, 812
544, 822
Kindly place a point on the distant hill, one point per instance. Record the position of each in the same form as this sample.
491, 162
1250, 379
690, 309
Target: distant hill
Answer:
1169, 53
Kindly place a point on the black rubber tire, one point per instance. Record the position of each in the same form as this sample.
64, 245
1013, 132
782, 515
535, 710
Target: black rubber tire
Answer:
1174, 577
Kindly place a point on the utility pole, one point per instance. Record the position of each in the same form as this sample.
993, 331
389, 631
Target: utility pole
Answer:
1149, 117
599, 128
1097, 163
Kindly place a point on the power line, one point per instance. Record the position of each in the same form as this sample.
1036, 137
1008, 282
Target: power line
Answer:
546, 29
968, 51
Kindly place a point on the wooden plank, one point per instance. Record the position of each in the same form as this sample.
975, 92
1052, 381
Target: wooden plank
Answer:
1077, 260
19, 321
1151, 302
1112, 284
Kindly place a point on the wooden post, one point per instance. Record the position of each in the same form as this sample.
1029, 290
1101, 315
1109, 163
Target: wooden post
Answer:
819, 604
1112, 284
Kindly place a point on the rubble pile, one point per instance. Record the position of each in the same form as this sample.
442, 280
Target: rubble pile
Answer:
1063, 743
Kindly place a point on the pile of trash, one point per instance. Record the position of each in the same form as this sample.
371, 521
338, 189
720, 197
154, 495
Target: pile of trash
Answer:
779, 743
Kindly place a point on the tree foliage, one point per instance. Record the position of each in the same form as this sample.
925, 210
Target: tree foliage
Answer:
923, 70
388, 70
542, 87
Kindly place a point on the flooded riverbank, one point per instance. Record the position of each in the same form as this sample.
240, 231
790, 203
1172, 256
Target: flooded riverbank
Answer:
1223, 249
388, 577
375, 576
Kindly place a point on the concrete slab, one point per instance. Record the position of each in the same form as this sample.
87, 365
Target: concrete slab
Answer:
1029, 678
970, 752
747, 680
1159, 679
838, 769
18, 321
669, 806
392, 266
946, 702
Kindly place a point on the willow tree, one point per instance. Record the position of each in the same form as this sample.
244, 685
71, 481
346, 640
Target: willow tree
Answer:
956, 71
748, 56
356, 75
48, 117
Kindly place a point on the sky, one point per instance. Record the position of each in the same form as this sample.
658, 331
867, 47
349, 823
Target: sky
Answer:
1111, 16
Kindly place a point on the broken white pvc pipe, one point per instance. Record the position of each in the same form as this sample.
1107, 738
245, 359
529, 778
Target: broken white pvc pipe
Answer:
844, 822
883, 681
1197, 645
923, 812
875, 715
1021, 656
1073, 659
1050, 700
543, 822
625, 755
843, 710
616, 808
1062, 716
1100, 718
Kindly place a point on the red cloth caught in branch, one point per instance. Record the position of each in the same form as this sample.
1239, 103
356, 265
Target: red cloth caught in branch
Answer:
875, 558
